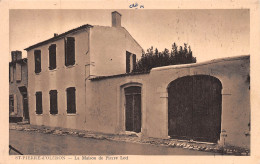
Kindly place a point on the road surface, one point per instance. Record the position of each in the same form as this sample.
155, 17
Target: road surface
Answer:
33, 143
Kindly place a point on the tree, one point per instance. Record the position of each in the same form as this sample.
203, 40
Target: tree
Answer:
153, 58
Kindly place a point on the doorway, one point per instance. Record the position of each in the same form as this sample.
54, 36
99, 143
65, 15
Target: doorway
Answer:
133, 113
23, 91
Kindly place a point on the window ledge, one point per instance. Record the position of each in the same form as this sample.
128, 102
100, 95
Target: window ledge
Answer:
72, 114
53, 70
38, 114
54, 114
38, 73
70, 66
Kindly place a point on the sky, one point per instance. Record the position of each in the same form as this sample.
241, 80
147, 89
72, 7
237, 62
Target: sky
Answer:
210, 33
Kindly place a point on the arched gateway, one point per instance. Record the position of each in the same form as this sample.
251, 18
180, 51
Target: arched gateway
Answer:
194, 108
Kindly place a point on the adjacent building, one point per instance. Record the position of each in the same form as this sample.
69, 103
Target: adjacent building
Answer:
18, 82
82, 79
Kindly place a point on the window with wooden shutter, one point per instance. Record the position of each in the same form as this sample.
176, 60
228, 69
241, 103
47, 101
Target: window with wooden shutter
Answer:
37, 59
38, 102
69, 51
53, 102
52, 56
128, 55
71, 100
134, 62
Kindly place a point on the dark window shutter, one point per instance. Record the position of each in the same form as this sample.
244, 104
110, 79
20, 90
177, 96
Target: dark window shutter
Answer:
53, 102
38, 102
134, 62
128, 55
52, 56
65, 50
69, 51
71, 100
37, 58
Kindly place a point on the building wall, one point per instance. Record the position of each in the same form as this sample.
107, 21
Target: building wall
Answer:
59, 79
106, 43
105, 106
106, 109
108, 46
14, 88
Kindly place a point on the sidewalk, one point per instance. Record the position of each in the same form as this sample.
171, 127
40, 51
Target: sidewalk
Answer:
133, 138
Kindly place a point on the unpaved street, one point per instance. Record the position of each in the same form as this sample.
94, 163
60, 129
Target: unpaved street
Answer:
32, 143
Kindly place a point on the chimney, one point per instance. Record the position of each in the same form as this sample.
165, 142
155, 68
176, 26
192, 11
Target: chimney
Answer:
16, 55
116, 19
55, 34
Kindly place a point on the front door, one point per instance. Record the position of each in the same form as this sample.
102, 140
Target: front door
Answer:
25, 107
23, 91
133, 109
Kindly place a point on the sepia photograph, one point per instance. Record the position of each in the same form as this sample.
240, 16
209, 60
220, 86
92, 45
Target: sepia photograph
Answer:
129, 82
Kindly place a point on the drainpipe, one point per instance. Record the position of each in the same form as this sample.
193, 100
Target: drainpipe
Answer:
86, 75
86, 78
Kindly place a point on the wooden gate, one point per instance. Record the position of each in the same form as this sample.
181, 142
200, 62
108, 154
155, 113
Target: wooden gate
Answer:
133, 109
194, 108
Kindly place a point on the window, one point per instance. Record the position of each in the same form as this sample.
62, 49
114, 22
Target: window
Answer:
53, 102
71, 100
37, 59
38, 102
134, 61
11, 103
128, 55
52, 56
69, 51
130, 62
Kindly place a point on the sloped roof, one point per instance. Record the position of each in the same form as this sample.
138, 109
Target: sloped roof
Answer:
96, 78
71, 31
58, 37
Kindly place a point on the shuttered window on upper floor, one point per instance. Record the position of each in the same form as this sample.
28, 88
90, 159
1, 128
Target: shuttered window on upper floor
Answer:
69, 51
37, 61
128, 67
130, 62
52, 56
134, 61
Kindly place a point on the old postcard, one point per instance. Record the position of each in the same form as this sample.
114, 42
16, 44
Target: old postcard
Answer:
136, 81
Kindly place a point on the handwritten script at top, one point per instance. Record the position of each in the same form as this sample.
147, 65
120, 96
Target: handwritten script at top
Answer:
135, 5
